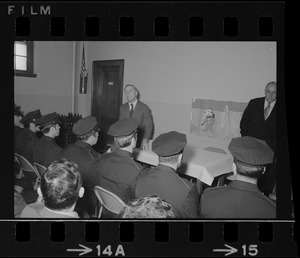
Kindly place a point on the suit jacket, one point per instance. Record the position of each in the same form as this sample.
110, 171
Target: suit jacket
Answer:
46, 151
166, 183
25, 143
254, 124
236, 200
84, 156
117, 173
143, 114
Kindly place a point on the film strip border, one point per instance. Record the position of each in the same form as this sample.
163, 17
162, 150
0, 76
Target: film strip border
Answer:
146, 21
161, 238
179, 21
161, 27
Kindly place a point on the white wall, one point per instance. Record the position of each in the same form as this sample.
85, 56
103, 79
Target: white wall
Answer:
51, 90
170, 74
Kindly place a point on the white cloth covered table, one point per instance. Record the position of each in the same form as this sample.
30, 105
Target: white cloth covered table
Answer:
199, 163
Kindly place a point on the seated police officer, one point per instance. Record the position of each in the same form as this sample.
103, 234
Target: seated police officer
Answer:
18, 115
60, 188
27, 139
241, 198
164, 181
82, 153
18, 127
46, 150
117, 170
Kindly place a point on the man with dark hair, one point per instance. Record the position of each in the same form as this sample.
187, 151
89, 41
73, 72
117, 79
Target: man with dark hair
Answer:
27, 139
117, 170
164, 181
150, 207
81, 152
46, 150
60, 188
241, 198
141, 112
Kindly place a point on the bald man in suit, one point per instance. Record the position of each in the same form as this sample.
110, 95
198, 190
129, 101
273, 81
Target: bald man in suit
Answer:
141, 112
259, 121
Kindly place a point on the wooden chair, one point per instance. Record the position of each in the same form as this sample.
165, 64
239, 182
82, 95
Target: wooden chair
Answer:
26, 166
40, 168
109, 200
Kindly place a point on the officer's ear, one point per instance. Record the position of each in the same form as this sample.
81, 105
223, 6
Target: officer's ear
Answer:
81, 192
180, 157
40, 197
52, 128
133, 140
234, 168
39, 192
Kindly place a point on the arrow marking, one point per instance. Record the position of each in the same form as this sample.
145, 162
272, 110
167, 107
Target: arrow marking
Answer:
83, 251
229, 251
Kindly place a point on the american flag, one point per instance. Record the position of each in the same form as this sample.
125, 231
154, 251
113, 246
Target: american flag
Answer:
83, 74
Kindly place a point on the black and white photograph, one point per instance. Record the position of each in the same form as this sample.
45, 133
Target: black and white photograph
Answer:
193, 123
146, 128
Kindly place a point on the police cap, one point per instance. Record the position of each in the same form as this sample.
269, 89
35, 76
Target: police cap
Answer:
85, 125
251, 151
123, 127
31, 117
168, 144
49, 119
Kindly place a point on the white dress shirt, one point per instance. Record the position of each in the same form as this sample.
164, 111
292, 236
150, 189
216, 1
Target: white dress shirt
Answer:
271, 106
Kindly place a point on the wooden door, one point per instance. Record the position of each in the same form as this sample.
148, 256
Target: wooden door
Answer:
107, 96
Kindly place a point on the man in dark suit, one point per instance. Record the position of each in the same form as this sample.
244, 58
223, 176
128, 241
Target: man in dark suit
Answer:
259, 121
141, 112
164, 181
241, 199
82, 153
46, 150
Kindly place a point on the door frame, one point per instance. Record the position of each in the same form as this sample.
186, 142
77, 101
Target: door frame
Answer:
97, 64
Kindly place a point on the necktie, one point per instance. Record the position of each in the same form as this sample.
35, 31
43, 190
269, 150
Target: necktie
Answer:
131, 110
267, 109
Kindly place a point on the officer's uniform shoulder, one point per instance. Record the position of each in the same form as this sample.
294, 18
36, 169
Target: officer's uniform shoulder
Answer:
106, 155
189, 185
267, 199
55, 146
145, 173
211, 190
